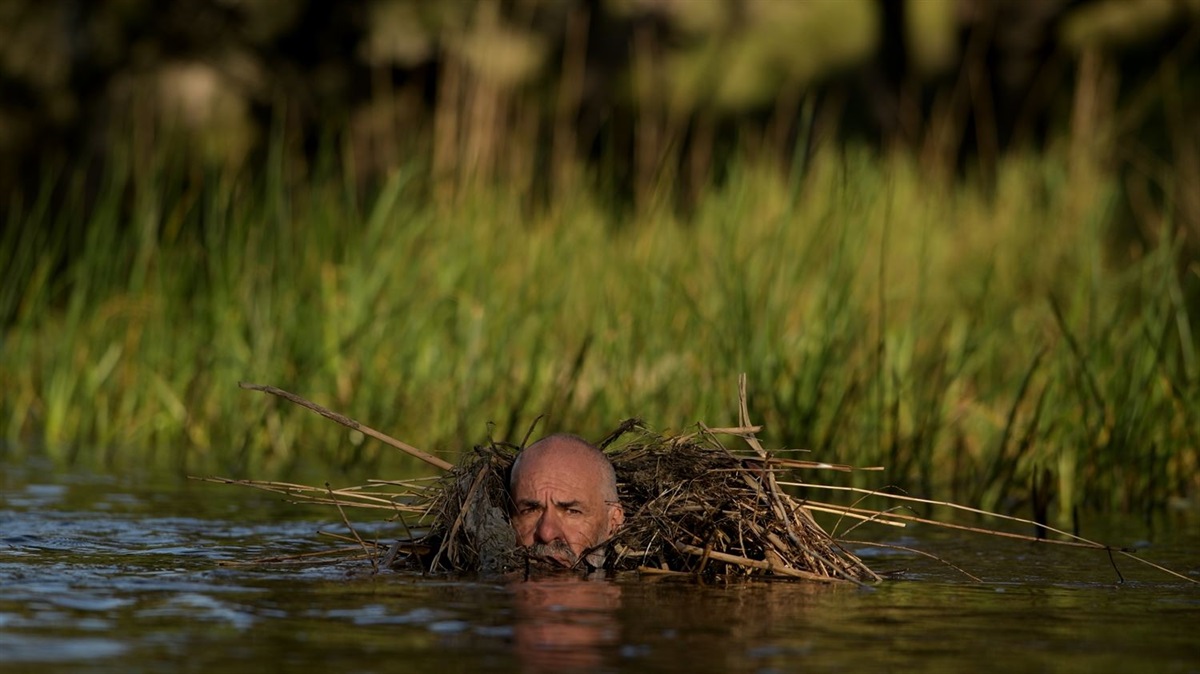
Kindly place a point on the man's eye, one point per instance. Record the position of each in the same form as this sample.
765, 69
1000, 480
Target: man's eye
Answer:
574, 511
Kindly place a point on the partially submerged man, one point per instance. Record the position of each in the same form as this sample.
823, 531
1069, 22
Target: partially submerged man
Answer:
565, 504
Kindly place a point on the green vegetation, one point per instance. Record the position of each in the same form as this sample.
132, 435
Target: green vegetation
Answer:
984, 345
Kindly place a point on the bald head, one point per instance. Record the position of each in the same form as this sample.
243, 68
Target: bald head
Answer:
564, 494
564, 448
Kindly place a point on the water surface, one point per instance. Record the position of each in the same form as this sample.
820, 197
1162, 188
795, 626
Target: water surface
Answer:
115, 574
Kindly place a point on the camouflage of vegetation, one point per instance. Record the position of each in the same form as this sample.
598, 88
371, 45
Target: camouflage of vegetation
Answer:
692, 506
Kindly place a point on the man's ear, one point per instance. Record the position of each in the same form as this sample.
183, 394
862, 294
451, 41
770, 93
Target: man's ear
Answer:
616, 517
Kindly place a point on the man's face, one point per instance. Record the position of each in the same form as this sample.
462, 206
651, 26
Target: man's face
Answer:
560, 508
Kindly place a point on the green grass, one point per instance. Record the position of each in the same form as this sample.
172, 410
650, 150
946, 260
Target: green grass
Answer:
974, 342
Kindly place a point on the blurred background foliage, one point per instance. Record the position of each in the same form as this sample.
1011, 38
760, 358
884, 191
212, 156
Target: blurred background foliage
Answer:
636, 94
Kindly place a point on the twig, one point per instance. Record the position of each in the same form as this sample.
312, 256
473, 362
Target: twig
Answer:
1075, 542
298, 493
351, 424
1078, 541
625, 427
758, 564
1120, 577
835, 510
655, 571
915, 551
346, 521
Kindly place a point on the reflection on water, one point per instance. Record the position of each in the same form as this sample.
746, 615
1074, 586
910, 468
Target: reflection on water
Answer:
101, 574
566, 624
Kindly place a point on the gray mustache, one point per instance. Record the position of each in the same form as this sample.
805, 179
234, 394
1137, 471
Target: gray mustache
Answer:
554, 549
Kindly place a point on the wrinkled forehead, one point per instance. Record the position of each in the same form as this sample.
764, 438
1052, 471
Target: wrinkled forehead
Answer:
564, 466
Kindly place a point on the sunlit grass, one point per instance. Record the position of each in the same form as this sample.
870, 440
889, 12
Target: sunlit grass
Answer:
974, 342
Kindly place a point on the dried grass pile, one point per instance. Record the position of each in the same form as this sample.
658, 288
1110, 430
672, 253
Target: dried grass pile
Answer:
692, 507
695, 507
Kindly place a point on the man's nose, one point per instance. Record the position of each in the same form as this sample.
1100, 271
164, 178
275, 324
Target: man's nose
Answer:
549, 528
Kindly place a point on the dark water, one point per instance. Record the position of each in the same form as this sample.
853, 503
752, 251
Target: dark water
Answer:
109, 574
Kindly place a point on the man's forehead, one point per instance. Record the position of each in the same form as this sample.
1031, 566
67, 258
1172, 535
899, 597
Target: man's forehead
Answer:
557, 475
564, 478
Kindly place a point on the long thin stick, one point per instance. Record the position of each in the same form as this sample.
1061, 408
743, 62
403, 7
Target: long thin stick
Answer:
1076, 542
350, 423
355, 498
917, 552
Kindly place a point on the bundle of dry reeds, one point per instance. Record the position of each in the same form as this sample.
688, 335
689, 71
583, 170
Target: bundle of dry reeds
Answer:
696, 507
692, 507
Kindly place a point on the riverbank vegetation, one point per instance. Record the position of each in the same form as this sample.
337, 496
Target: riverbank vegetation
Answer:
984, 346
452, 221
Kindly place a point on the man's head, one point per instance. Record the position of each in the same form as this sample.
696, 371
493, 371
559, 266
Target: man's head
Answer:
564, 495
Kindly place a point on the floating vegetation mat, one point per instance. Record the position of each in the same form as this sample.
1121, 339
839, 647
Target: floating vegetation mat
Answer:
693, 506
